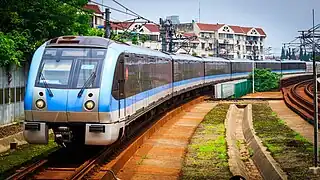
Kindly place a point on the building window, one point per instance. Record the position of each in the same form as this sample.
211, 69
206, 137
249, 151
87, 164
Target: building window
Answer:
230, 36
210, 45
202, 35
154, 37
221, 36
96, 20
202, 45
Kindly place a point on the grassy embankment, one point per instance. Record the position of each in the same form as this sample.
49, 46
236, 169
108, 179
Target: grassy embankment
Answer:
293, 152
23, 155
207, 152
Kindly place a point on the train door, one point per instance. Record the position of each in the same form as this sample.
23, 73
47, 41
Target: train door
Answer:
121, 81
129, 63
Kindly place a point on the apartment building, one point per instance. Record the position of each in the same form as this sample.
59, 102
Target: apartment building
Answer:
233, 42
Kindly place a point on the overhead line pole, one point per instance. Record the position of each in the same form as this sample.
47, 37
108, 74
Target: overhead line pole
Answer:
107, 14
315, 100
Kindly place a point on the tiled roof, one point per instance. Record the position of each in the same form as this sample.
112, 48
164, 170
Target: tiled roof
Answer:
189, 35
236, 29
261, 32
93, 7
120, 25
209, 27
246, 29
152, 27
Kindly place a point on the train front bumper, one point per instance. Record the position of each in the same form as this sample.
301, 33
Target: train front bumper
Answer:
36, 132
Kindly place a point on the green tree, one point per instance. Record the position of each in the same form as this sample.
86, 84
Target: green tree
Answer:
265, 80
305, 57
134, 39
143, 38
194, 54
96, 32
283, 54
30, 23
287, 54
301, 54
293, 56
9, 51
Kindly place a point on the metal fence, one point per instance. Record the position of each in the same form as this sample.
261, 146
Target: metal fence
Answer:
12, 90
242, 88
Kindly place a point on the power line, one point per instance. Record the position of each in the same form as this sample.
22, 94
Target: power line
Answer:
139, 16
126, 8
113, 8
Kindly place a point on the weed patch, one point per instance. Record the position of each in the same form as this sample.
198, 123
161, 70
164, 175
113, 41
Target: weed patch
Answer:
207, 153
293, 152
11, 160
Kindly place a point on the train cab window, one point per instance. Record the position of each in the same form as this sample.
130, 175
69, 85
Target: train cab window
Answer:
70, 67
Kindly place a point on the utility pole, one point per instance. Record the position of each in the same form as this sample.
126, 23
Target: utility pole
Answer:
315, 100
163, 36
170, 31
107, 14
254, 57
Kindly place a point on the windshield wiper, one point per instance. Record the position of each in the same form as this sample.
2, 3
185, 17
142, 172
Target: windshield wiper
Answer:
88, 81
45, 84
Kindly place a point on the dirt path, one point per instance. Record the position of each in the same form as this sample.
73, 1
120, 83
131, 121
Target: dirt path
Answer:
161, 157
293, 120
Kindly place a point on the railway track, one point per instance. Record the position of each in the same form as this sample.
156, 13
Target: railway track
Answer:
299, 97
83, 162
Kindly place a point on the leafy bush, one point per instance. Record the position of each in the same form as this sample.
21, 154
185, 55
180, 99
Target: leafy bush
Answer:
265, 80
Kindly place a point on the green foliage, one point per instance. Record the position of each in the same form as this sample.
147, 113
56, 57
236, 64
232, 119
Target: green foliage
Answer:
9, 51
134, 39
25, 25
283, 54
194, 54
301, 55
265, 80
293, 56
210, 55
143, 38
96, 32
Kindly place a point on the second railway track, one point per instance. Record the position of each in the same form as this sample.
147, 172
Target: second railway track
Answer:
299, 97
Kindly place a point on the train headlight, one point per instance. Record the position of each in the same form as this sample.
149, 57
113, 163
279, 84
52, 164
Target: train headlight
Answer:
89, 105
40, 104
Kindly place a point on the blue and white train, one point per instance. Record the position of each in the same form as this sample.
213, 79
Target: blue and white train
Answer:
91, 88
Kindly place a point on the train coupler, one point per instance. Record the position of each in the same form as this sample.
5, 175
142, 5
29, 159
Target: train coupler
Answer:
63, 135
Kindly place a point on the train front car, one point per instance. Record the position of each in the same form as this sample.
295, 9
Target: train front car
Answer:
63, 92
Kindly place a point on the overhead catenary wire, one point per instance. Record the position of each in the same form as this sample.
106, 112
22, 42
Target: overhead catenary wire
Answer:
127, 9
114, 9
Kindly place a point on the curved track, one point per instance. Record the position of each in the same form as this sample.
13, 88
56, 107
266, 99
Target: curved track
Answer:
82, 162
298, 96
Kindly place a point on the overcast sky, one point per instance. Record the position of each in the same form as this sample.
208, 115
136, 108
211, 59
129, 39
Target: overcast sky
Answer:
280, 19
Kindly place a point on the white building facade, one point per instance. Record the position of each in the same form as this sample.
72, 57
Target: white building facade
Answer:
233, 42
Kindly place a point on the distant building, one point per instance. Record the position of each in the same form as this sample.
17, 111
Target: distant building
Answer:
174, 19
234, 42
97, 20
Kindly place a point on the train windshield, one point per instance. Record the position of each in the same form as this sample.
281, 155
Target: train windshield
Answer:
70, 67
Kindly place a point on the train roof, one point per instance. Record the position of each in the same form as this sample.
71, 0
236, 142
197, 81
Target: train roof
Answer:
241, 60
185, 57
293, 61
208, 59
268, 61
82, 41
